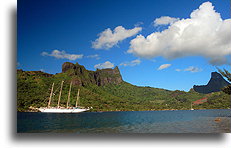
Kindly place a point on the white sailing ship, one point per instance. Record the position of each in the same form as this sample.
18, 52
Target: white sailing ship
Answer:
62, 110
58, 109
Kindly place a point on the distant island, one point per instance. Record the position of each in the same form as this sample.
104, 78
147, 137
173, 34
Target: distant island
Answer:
105, 90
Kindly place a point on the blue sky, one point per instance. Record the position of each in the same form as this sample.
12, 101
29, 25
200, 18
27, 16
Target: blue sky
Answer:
163, 44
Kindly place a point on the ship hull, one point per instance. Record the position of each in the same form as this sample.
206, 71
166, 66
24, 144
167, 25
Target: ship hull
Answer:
59, 110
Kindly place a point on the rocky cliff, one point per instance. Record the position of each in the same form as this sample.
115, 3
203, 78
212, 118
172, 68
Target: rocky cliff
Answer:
80, 76
215, 84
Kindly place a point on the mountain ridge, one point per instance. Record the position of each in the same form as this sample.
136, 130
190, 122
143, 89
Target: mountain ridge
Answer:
100, 77
215, 84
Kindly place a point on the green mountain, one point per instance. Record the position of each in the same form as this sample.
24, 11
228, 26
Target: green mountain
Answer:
104, 90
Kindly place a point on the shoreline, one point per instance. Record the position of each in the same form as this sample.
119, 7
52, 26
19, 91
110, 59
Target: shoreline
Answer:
137, 110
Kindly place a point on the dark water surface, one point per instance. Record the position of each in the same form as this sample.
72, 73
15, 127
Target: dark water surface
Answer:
181, 121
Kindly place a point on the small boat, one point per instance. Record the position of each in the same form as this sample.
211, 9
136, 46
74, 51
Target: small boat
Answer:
58, 109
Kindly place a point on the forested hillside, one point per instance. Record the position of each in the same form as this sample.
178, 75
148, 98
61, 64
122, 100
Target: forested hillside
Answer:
105, 90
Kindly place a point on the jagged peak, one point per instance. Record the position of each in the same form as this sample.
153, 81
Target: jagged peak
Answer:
215, 84
216, 75
66, 66
99, 77
116, 68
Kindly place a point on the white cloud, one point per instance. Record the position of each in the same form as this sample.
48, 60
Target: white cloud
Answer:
190, 68
178, 70
203, 34
138, 24
96, 56
109, 38
62, 55
193, 69
164, 66
165, 20
104, 65
131, 63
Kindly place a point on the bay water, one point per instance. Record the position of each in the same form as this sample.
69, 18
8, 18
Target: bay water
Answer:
177, 121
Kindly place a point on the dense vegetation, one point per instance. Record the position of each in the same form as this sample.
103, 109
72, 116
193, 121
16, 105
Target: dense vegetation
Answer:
33, 89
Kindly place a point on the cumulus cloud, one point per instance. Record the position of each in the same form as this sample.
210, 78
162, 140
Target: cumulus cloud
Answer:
165, 20
131, 63
218, 61
190, 68
62, 55
104, 65
164, 66
204, 33
109, 38
96, 56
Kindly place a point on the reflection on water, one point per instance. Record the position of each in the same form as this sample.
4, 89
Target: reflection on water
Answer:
183, 121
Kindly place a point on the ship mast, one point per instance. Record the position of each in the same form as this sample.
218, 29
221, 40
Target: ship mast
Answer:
49, 103
68, 100
77, 99
60, 93
191, 106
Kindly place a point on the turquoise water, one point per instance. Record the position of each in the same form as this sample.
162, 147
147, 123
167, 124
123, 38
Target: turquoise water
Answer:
181, 121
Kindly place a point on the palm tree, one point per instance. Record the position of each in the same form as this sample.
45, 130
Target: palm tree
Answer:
226, 74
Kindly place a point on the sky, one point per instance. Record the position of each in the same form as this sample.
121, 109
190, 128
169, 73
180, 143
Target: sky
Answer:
158, 43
